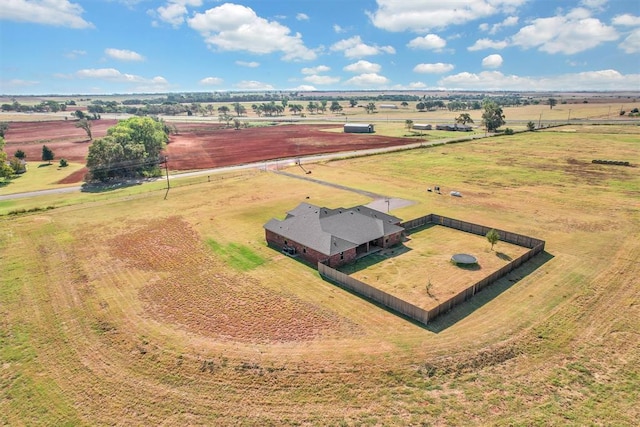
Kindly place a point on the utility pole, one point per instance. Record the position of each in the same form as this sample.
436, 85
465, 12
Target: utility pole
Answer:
166, 168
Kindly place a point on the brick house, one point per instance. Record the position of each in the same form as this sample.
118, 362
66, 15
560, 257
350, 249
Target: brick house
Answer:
333, 236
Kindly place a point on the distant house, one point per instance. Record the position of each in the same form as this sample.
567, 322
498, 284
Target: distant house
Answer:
358, 128
389, 106
455, 127
421, 126
333, 236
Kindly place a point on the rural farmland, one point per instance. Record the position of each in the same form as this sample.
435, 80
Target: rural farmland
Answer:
137, 306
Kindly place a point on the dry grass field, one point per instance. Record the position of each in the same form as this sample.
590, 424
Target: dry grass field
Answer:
136, 310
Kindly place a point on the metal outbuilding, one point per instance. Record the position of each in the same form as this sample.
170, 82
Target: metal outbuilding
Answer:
358, 128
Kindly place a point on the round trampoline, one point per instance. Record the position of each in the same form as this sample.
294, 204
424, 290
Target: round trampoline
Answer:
464, 259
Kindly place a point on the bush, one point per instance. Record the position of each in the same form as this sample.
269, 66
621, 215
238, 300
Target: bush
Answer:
508, 131
63, 163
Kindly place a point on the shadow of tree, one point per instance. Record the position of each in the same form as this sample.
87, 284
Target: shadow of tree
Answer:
503, 256
109, 186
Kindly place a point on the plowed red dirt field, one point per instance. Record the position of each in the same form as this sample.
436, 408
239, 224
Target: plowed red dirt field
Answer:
198, 145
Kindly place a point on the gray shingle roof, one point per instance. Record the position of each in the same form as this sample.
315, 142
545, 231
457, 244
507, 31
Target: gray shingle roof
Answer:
331, 231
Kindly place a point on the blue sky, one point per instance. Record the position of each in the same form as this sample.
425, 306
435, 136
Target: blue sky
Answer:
152, 46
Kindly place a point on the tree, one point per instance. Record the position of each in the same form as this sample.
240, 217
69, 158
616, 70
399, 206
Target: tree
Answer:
531, 126
464, 118
64, 163
79, 114
47, 154
420, 106
353, 102
237, 124
19, 154
371, 107
492, 117
131, 148
3, 128
17, 165
408, 124
404, 104
239, 109
6, 171
493, 236
335, 107
223, 110
552, 103
225, 117
86, 125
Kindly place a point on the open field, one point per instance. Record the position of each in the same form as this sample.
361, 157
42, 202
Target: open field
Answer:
133, 309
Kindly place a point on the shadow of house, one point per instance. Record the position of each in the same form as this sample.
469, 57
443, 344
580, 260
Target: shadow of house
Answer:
333, 237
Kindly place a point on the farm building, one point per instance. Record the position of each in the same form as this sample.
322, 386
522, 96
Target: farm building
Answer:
358, 128
333, 236
421, 126
389, 106
455, 127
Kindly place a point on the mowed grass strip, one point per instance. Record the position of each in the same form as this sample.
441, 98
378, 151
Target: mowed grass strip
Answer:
240, 257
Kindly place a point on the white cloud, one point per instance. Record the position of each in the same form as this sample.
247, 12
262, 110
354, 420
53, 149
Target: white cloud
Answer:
137, 83
75, 53
568, 34
253, 85
492, 61
302, 17
211, 81
315, 70
175, 11
321, 80
591, 80
417, 85
59, 13
626, 20
305, 88
508, 22
594, 4
632, 43
487, 44
424, 15
123, 54
437, 68
338, 29
251, 64
233, 27
7, 85
430, 41
354, 48
368, 80
363, 67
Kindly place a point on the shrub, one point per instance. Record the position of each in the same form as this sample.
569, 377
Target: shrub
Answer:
508, 131
63, 163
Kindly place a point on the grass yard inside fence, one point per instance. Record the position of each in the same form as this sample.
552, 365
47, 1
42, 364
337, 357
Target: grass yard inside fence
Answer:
420, 270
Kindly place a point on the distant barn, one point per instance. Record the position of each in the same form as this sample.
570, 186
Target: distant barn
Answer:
455, 127
358, 128
421, 126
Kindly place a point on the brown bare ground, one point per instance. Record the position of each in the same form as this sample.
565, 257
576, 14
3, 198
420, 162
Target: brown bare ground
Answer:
196, 296
197, 145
